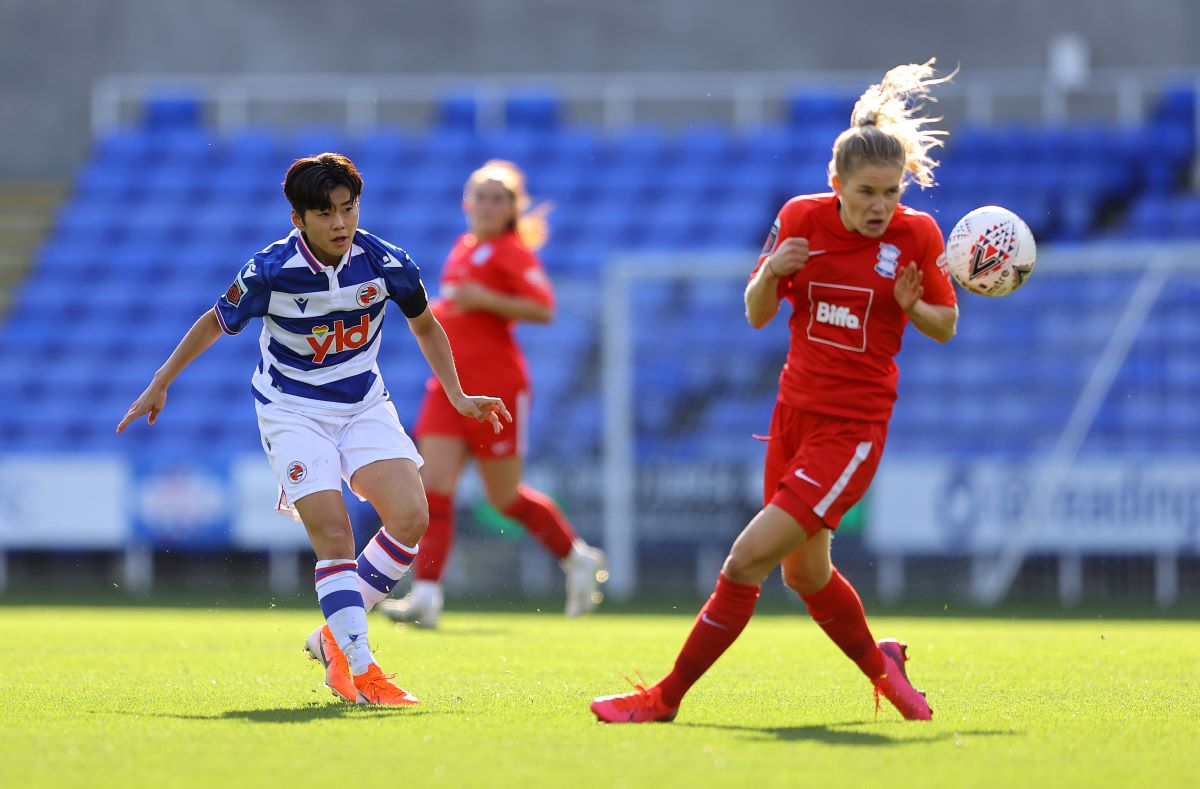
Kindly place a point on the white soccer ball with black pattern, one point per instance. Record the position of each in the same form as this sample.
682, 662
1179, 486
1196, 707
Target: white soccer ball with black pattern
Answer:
991, 251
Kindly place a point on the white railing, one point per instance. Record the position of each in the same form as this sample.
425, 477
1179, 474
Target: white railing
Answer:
747, 98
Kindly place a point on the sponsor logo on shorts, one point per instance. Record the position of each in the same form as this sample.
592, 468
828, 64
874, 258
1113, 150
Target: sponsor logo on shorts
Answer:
800, 473
296, 472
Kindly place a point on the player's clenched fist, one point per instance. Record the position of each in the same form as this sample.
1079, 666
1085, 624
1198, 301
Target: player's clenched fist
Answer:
788, 258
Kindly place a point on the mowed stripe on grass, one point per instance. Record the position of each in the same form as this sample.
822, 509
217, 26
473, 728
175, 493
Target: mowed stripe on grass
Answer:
182, 697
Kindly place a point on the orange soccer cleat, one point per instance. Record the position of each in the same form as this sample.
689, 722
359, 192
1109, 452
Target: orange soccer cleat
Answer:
643, 705
321, 646
375, 687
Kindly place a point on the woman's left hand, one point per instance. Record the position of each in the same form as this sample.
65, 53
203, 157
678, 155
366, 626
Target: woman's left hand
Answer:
908, 289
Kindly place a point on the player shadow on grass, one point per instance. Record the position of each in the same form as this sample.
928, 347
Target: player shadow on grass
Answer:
313, 712
317, 712
838, 734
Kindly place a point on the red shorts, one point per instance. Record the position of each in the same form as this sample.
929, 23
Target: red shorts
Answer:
819, 466
438, 418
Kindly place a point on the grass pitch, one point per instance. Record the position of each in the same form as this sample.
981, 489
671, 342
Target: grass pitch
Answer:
128, 696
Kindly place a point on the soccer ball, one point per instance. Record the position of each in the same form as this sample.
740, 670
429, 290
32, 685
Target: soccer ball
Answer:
991, 251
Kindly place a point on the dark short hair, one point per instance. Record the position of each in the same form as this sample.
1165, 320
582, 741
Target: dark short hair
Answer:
310, 180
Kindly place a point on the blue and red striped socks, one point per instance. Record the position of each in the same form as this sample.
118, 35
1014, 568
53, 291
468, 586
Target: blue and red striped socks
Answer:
337, 582
380, 565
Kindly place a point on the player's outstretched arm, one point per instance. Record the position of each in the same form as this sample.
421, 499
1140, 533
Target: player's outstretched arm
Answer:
935, 321
200, 337
474, 296
436, 348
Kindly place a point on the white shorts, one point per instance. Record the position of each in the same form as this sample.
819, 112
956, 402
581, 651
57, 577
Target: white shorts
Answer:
310, 453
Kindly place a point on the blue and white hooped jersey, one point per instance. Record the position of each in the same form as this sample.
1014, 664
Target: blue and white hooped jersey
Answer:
321, 325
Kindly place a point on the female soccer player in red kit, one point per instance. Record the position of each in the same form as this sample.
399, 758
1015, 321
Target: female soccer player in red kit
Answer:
491, 280
857, 268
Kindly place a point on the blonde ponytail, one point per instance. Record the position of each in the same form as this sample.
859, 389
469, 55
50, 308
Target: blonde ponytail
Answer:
885, 126
530, 221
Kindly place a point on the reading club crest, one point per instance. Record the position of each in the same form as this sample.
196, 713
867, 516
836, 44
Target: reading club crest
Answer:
367, 295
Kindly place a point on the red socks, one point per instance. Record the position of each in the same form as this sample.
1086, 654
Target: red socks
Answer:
720, 622
535, 511
436, 542
839, 611
542, 518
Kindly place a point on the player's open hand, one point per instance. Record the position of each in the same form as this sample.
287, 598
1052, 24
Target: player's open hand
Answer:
908, 289
791, 256
152, 402
488, 409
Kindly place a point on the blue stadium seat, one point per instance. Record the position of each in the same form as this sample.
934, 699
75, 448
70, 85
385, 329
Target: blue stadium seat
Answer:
253, 146
641, 147
172, 109
711, 145
105, 181
574, 146
318, 138
532, 109
522, 145
458, 110
88, 224
811, 107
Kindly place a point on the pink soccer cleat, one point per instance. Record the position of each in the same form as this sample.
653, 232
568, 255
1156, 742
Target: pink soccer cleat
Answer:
644, 705
895, 686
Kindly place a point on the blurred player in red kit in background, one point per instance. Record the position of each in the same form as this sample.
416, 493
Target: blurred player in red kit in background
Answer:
491, 280
857, 268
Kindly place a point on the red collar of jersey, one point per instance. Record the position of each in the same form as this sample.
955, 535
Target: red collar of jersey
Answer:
314, 264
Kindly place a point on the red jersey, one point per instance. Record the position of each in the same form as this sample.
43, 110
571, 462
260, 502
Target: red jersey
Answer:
484, 346
846, 325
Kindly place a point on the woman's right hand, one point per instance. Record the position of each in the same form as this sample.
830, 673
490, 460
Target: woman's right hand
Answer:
152, 401
788, 258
